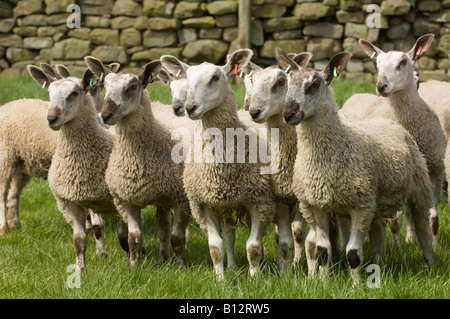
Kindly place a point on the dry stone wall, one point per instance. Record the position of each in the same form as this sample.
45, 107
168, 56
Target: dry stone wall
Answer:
133, 32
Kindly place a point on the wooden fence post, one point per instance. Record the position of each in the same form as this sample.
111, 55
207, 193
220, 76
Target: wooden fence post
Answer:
244, 23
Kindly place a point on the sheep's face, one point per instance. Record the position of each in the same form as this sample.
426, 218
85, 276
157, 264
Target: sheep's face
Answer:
395, 72
178, 90
122, 96
266, 93
66, 100
206, 89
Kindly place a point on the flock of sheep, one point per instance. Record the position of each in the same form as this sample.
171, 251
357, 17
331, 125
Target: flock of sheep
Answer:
347, 171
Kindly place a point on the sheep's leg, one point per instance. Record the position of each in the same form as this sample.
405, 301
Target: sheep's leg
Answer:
323, 251
229, 235
98, 227
310, 250
181, 221
334, 235
122, 234
254, 242
18, 182
423, 231
360, 225
76, 216
5, 180
396, 226
344, 223
436, 187
285, 248
215, 242
377, 238
299, 226
409, 225
163, 231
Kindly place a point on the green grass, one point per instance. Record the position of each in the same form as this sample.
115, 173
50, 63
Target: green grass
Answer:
35, 257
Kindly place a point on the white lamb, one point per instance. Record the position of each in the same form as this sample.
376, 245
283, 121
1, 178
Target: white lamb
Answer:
360, 170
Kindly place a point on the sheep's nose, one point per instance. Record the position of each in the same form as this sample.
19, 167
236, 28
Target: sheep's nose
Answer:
178, 109
381, 87
191, 109
52, 119
255, 113
106, 117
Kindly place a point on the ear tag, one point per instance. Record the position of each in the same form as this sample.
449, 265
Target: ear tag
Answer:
151, 78
240, 74
287, 69
419, 51
178, 73
101, 77
43, 86
90, 83
373, 54
235, 68
250, 74
335, 72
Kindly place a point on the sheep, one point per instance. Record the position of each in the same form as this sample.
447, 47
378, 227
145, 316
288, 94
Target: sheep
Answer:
362, 170
213, 185
77, 171
265, 93
140, 170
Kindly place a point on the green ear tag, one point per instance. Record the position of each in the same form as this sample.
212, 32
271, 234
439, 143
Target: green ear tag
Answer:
335, 72
90, 83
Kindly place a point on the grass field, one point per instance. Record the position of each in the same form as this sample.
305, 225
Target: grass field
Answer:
34, 259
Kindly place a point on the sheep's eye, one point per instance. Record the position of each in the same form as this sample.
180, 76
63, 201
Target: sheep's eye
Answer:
316, 84
403, 62
132, 87
215, 78
278, 84
73, 94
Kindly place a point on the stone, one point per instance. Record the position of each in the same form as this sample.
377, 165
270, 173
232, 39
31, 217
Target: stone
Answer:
351, 45
439, 75
140, 23
324, 29
154, 8
429, 5
199, 23
97, 22
159, 38
229, 20
70, 49
93, 7
287, 35
358, 31
355, 65
369, 67
37, 43
51, 31
427, 63
286, 3
282, 24
360, 77
395, 7
130, 37
199, 51
398, 31
156, 53
186, 35
268, 49
163, 24
27, 31
350, 16
214, 33
35, 19
442, 17
122, 22
27, 7
127, 8
350, 4
257, 33
443, 64
6, 25
312, 11
222, 7
6, 10
185, 9
230, 34
444, 44
11, 40
422, 26
79, 33
322, 48
57, 19
104, 36
57, 6
109, 54
268, 11
15, 55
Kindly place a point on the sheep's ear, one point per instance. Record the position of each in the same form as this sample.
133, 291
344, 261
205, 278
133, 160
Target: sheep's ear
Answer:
285, 62
114, 67
335, 66
63, 71
302, 59
87, 79
422, 44
251, 67
237, 62
96, 66
371, 50
48, 69
39, 76
165, 77
174, 66
150, 72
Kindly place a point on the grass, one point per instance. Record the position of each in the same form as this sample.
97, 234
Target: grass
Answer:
34, 258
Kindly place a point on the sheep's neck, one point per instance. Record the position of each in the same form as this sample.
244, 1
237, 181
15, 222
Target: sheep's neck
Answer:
141, 119
223, 116
287, 136
406, 105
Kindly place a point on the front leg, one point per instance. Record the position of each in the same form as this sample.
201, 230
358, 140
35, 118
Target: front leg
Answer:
215, 241
254, 242
98, 228
285, 247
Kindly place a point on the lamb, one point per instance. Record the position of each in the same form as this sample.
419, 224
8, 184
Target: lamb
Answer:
362, 170
140, 170
396, 84
213, 185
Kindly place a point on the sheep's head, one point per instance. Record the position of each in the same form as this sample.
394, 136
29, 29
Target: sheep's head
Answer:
208, 84
266, 89
306, 88
67, 95
123, 91
395, 68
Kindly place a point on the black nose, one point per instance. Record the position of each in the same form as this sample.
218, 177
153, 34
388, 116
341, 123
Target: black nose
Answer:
381, 87
106, 117
289, 116
191, 109
178, 109
255, 113
52, 119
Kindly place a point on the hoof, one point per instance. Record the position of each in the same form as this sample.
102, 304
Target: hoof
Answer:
4, 230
